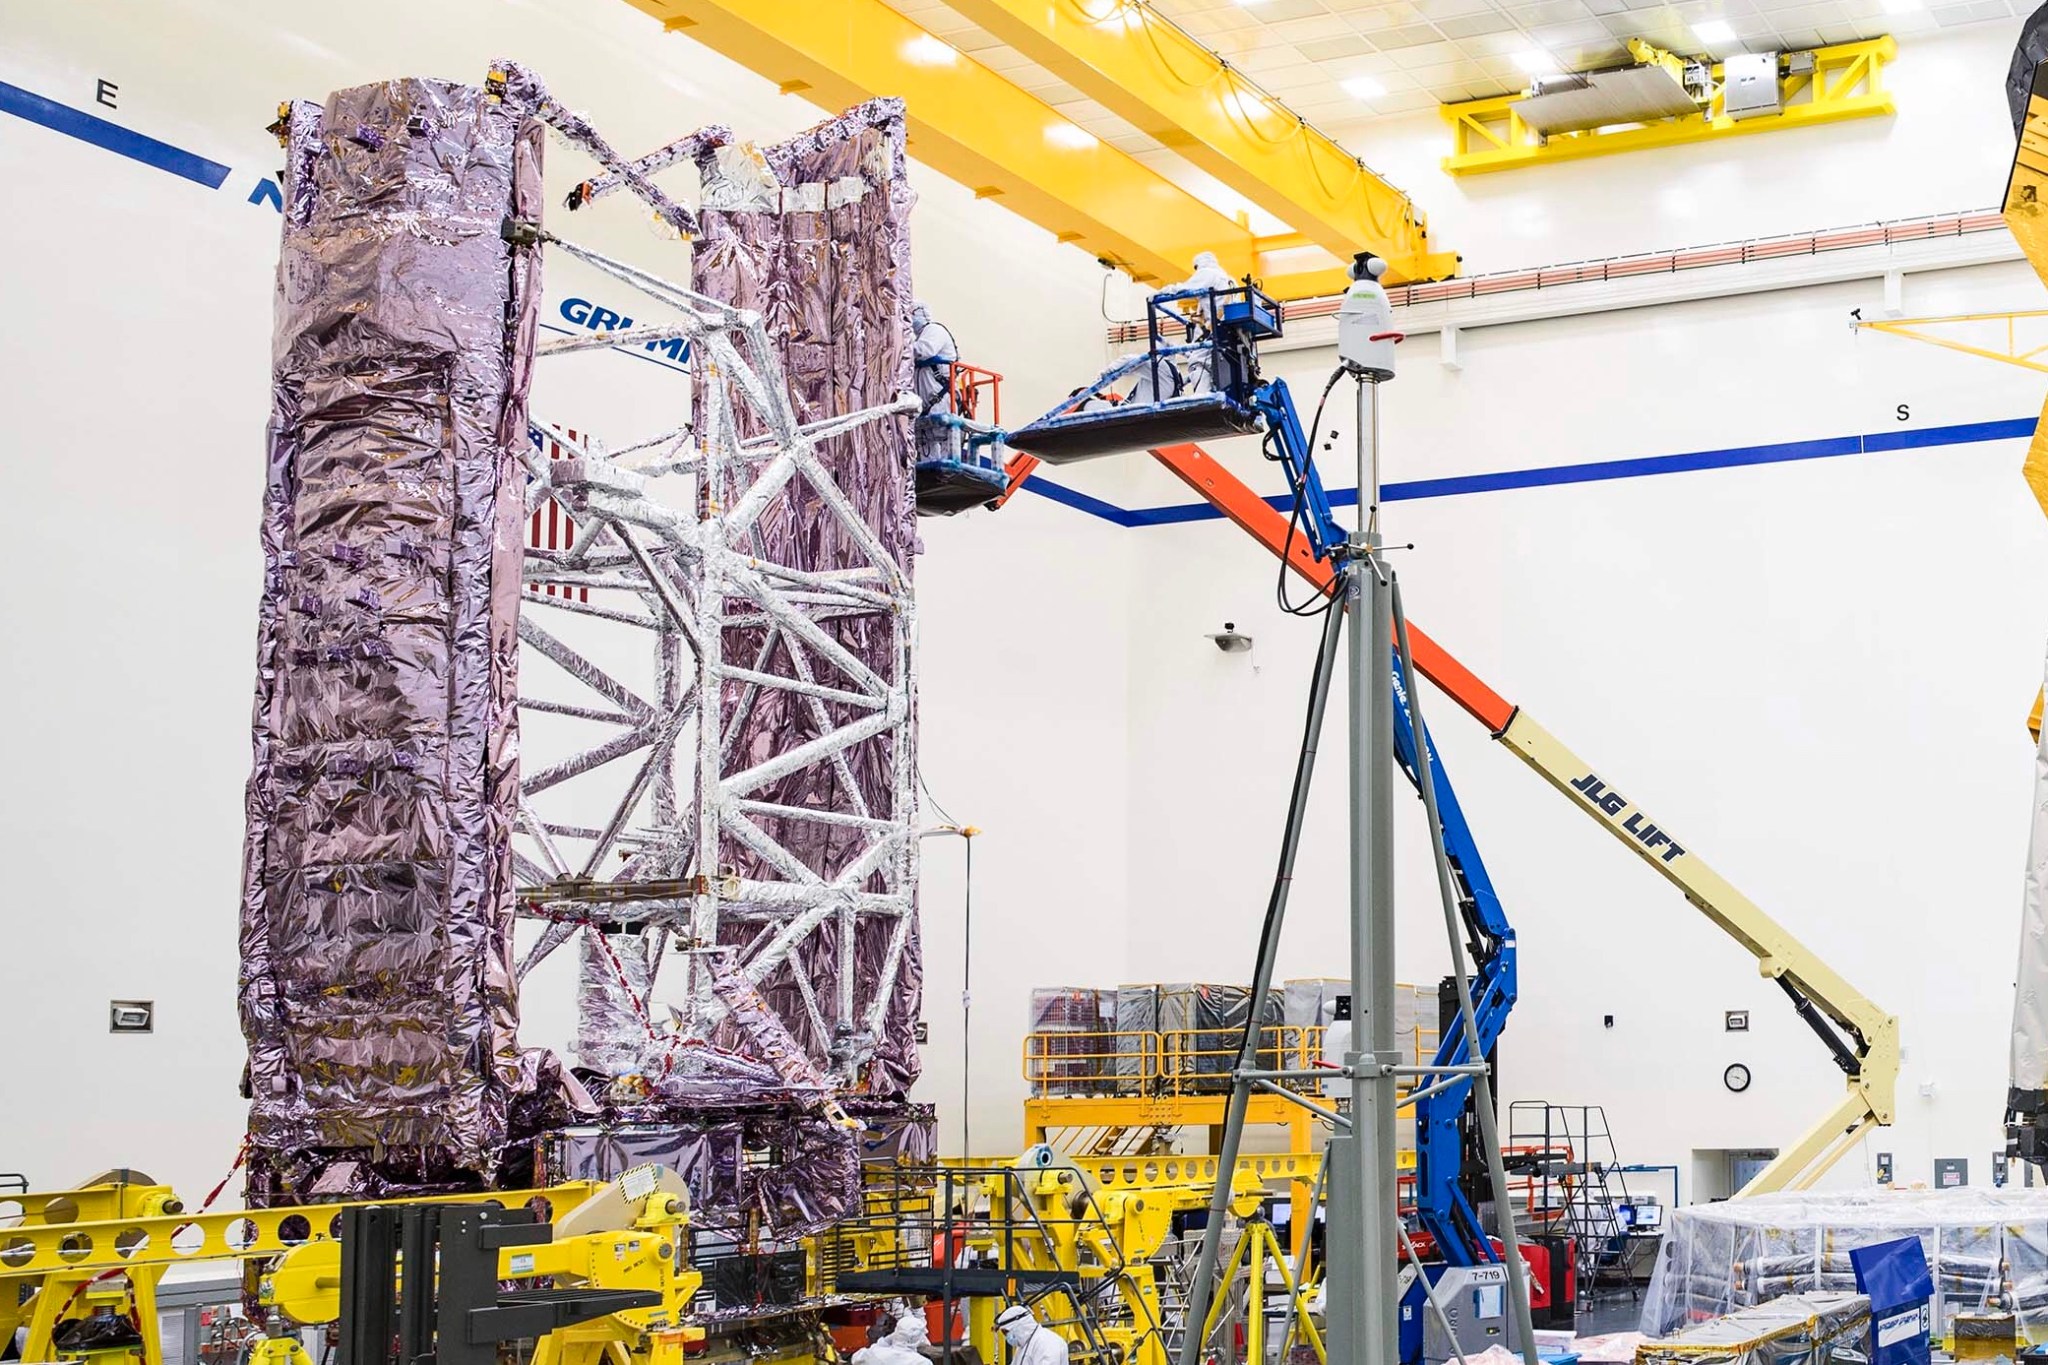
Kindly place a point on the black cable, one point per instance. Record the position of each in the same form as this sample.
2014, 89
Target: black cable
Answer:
1295, 801
948, 815
1298, 486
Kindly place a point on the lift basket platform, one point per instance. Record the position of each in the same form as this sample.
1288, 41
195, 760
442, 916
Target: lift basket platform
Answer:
1065, 438
949, 485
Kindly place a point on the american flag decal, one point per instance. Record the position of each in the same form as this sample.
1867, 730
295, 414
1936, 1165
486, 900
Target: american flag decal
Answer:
551, 529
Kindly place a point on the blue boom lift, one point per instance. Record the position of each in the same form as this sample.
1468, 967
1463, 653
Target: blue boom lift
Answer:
1198, 378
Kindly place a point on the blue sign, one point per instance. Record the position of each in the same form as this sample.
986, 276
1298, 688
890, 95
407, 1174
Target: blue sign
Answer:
593, 317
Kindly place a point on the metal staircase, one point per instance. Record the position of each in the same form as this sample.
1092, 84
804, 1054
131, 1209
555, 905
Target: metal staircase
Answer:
1575, 1184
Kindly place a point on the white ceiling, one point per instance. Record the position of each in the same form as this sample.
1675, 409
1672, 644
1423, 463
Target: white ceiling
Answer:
1426, 52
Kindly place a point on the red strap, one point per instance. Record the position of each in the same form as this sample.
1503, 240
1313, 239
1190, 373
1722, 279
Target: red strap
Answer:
1388, 336
241, 1155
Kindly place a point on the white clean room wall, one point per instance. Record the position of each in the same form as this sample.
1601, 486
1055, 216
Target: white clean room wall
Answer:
1817, 670
136, 354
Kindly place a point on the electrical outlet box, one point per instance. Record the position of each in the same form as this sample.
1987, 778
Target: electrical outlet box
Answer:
131, 1016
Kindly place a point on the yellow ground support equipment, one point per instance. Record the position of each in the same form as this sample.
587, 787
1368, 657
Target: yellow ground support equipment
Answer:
1112, 1232
1257, 1252
100, 1251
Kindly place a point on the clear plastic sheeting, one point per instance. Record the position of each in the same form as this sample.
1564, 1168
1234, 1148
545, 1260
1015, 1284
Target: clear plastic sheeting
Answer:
1201, 1026
1311, 1002
1793, 1329
376, 988
1987, 1249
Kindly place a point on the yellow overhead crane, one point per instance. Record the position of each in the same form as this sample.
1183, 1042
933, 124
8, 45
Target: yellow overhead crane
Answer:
1142, 66
1842, 81
977, 127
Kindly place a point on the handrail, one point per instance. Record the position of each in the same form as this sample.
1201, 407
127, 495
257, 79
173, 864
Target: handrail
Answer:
1171, 1063
1649, 263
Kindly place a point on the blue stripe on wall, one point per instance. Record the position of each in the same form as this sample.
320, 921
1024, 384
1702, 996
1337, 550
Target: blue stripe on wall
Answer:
1734, 457
62, 118
1081, 502
163, 156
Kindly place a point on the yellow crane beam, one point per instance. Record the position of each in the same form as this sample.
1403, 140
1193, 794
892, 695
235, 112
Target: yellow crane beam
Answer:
1148, 70
1847, 81
972, 125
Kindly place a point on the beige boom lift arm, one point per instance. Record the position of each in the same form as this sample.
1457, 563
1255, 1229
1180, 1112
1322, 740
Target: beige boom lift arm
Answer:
1862, 1038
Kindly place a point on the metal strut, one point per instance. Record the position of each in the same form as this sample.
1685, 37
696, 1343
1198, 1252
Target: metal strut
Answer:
1203, 1285
1846, 1057
1365, 1229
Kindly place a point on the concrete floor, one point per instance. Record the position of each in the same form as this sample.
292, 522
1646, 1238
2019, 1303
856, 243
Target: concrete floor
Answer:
1613, 1310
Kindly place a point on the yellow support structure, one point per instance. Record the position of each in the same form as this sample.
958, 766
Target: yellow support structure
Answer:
1126, 57
971, 125
2013, 351
1847, 82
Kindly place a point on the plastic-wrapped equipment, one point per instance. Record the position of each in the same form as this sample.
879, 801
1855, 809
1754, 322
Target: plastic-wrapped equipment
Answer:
1793, 1329
1307, 1002
1070, 1044
377, 994
1201, 1028
1136, 1024
1987, 1250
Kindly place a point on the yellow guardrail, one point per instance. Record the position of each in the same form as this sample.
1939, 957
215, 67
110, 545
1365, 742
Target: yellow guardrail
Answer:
1172, 1063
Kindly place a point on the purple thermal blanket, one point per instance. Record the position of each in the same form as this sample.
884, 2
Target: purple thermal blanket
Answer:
814, 234
377, 993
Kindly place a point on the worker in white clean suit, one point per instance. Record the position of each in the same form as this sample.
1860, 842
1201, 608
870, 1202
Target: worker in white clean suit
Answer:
1031, 1341
901, 1347
1197, 375
1209, 274
933, 353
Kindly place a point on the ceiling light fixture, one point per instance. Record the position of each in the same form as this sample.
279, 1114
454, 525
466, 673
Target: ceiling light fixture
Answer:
1363, 88
1537, 62
925, 50
1714, 32
1070, 135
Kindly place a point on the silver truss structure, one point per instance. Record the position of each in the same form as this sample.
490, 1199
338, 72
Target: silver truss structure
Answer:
644, 884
